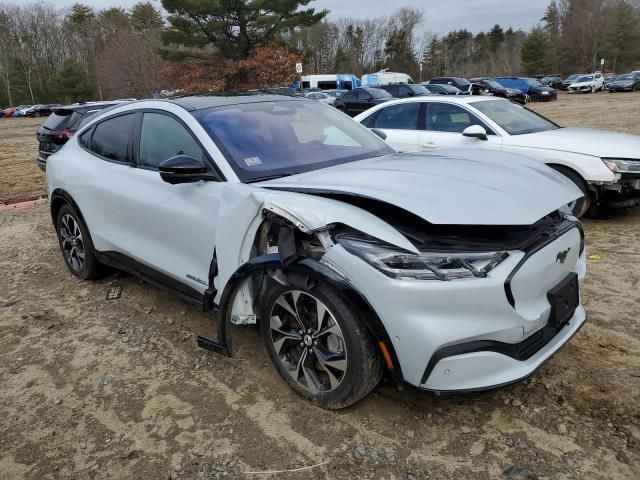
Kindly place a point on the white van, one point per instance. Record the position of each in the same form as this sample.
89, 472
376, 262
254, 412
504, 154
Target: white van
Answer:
340, 81
385, 78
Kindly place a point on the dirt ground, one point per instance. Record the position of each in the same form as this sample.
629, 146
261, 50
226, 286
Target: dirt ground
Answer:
94, 389
20, 177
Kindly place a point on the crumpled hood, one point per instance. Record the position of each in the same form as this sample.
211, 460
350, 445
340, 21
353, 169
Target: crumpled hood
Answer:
586, 141
457, 187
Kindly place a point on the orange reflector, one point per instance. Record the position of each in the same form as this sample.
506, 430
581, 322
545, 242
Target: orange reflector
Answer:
385, 355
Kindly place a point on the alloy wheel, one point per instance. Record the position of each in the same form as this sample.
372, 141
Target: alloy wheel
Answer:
308, 341
72, 242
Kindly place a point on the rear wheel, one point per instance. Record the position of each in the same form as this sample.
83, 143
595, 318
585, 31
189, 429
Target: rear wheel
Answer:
75, 244
580, 206
319, 346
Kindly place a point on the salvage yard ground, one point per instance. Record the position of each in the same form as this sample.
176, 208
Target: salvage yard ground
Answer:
95, 388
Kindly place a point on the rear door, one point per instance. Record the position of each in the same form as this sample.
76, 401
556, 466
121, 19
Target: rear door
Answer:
403, 124
363, 102
444, 123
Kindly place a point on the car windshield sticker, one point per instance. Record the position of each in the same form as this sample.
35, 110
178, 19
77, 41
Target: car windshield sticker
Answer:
252, 161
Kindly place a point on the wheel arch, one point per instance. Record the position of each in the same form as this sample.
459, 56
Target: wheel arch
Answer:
302, 273
559, 167
60, 197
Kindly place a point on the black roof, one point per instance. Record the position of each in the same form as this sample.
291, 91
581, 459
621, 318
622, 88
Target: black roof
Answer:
200, 102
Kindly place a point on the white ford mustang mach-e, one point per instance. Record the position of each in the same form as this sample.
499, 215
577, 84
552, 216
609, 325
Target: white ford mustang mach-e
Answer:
453, 274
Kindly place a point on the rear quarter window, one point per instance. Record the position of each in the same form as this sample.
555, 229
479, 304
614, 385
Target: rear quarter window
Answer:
111, 138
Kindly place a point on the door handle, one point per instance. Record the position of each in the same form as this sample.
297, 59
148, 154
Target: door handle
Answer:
428, 145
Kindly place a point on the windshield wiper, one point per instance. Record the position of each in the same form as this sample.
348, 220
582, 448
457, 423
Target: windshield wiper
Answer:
271, 177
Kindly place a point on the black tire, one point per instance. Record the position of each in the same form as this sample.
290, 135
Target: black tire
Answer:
86, 268
363, 363
582, 205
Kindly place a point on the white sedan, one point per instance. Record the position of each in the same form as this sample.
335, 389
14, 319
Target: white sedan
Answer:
604, 165
321, 97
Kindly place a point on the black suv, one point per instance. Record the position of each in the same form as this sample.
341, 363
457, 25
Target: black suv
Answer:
404, 90
483, 86
553, 81
360, 99
462, 83
62, 124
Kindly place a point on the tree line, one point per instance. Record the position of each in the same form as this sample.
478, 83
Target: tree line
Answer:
48, 54
53, 55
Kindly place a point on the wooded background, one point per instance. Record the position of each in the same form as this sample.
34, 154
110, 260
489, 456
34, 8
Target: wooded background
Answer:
48, 54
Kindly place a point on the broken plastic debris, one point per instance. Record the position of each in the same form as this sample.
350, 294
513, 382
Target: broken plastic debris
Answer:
105, 381
114, 292
594, 257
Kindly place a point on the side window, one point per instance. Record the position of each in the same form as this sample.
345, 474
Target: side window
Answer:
163, 137
404, 116
362, 95
446, 117
85, 138
349, 96
111, 138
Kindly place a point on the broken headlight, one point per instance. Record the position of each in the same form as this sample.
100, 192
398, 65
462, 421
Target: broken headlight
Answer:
621, 165
398, 263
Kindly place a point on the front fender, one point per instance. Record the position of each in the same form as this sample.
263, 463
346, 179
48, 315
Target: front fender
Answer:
591, 168
299, 274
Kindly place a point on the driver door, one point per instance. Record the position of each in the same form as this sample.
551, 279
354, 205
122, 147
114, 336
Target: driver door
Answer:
171, 228
444, 124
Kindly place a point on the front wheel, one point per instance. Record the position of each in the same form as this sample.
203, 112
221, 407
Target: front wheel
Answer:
580, 206
319, 346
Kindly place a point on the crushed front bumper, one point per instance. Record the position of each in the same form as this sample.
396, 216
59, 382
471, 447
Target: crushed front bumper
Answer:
510, 307
484, 368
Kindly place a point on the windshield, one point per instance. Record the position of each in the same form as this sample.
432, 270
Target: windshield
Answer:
273, 139
493, 84
379, 93
418, 89
513, 118
585, 78
532, 82
627, 76
573, 77
449, 88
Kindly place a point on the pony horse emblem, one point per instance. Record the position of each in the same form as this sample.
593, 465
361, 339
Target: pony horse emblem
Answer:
562, 256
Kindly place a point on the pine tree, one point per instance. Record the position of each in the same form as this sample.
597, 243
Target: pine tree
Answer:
234, 28
534, 52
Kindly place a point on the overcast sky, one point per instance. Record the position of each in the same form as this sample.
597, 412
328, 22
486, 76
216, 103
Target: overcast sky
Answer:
440, 16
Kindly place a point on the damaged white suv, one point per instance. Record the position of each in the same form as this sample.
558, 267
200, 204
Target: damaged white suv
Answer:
454, 274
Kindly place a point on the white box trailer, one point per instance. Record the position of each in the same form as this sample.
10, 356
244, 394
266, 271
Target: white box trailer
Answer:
334, 81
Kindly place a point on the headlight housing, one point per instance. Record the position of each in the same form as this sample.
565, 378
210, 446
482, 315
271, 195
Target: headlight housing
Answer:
622, 165
400, 264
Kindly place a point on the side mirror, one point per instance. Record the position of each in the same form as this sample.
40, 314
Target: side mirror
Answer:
184, 169
379, 133
475, 131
